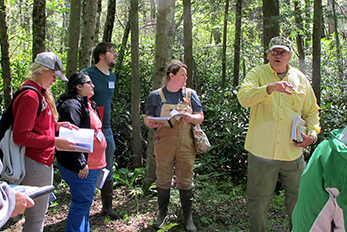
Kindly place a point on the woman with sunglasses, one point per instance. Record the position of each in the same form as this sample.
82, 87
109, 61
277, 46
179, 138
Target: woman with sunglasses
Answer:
78, 169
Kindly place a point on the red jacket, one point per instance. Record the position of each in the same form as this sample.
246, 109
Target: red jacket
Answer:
37, 134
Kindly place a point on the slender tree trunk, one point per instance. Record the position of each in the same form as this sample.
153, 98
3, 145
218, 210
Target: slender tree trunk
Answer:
225, 31
121, 52
39, 27
153, 8
243, 62
5, 57
74, 35
88, 32
317, 29
307, 22
163, 54
271, 23
136, 89
299, 37
97, 23
65, 28
237, 48
111, 11
188, 41
330, 17
215, 33
337, 41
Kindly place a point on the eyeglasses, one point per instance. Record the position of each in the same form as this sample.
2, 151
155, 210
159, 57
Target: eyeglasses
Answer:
281, 53
112, 51
87, 82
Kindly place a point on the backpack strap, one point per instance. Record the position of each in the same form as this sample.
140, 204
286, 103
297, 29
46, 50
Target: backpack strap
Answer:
161, 93
7, 119
22, 89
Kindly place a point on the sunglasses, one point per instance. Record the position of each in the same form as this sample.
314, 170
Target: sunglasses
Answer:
87, 82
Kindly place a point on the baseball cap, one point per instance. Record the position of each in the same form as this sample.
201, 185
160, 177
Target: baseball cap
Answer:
52, 61
280, 42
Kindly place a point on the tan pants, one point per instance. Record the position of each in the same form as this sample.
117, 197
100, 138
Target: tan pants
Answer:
175, 154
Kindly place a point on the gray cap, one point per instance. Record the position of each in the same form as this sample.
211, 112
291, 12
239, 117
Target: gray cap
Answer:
280, 42
52, 61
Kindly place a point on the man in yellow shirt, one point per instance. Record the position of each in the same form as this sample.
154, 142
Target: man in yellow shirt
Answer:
276, 93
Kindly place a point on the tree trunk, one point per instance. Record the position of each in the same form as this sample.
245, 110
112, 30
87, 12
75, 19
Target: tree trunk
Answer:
317, 26
39, 26
337, 41
215, 34
97, 23
225, 30
188, 42
121, 52
237, 48
163, 54
111, 11
299, 37
74, 35
136, 89
5, 58
153, 9
65, 30
88, 32
307, 22
330, 17
271, 23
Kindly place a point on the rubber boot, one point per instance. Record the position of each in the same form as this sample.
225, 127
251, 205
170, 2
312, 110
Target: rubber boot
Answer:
106, 195
163, 202
186, 202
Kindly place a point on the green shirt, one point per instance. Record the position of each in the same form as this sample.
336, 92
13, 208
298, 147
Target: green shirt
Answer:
103, 92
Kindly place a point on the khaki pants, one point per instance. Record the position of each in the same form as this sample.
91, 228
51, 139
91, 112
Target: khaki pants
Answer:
261, 182
175, 153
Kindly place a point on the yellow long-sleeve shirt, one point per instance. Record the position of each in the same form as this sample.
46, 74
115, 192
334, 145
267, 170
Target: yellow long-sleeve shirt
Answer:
271, 116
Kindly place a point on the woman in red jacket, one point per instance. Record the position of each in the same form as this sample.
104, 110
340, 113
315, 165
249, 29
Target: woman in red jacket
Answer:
37, 133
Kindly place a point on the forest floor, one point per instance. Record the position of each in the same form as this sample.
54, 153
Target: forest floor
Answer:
212, 211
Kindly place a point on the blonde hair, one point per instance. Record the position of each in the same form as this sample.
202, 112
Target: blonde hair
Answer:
34, 70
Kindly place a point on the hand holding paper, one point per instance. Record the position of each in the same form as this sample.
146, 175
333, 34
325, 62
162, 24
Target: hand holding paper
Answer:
83, 138
166, 121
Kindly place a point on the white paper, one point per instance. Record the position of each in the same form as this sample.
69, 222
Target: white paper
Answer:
175, 113
99, 135
84, 138
297, 123
103, 173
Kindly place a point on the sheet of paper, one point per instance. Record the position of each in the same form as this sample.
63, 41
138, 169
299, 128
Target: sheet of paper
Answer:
103, 173
84, 138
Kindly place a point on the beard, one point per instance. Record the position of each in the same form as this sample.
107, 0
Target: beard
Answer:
111, 64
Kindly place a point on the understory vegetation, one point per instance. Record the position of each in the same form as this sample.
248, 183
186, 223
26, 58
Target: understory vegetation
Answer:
220, 173
217, 207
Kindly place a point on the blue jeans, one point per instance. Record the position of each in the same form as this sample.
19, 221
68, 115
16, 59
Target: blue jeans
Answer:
82, 192
109, 152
